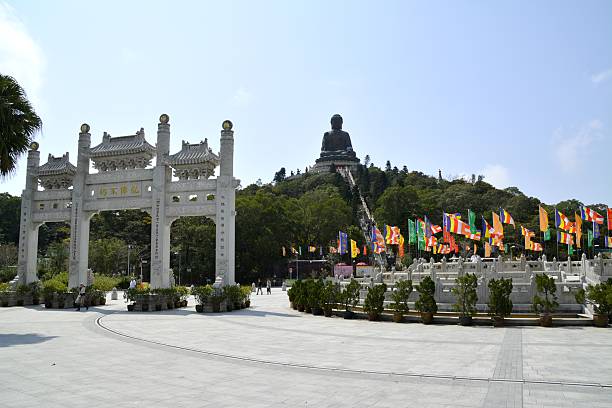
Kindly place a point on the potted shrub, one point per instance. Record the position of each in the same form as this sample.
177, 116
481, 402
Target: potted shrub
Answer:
547, 302
218, 301
374, 301
467, 297
426, 304
202, 296
301, 295
315, 291
308, 289
500, 304
329, 297
22, 292
350, 298
600, 296
399, 296
246, 296
291, 292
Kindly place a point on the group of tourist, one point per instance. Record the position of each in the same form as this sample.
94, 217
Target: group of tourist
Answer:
260, 287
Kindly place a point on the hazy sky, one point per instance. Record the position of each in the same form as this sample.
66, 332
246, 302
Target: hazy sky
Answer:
520, 91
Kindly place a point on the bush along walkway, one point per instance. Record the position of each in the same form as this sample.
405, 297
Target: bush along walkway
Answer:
381, 303
151, 300
221, 299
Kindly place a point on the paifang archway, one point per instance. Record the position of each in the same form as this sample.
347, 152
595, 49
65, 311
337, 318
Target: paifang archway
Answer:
125, 181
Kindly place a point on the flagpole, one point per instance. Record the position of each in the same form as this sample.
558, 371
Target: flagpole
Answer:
557, 231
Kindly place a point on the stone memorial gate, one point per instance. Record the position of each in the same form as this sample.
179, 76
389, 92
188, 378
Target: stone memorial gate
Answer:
125, 180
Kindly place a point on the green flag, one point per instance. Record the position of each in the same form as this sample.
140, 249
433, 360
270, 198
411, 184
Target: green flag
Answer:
420, 235
506, 248
547, 235
590, 239
472, 221
412, 235
570, 250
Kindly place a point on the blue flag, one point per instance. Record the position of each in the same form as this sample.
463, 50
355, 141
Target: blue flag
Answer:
595, 230
343, 241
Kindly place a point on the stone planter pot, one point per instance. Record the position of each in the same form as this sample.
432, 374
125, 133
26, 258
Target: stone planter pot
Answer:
398, 317
247, 303
498, 321
308, 309
199, 308
317, 311
600, 320
229, 307
145, 307
170, 304
292, 305
427, 317
348, 314
328, 312
373, 316
184, 303
130, 308
301, 308
237, 305
465, 320
546, 320
158, 308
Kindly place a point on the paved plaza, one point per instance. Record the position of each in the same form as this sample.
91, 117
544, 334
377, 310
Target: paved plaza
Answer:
270, 355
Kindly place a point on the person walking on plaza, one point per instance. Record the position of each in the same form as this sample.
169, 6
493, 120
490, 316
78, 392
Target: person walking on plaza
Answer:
80, 300
259, 288
269, 287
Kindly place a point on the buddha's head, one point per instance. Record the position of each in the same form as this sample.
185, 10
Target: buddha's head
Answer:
336, 122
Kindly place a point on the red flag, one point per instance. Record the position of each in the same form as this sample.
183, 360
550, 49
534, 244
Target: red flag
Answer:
609, 211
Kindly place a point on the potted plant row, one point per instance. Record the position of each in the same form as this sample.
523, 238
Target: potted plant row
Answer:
22, 295
228, 298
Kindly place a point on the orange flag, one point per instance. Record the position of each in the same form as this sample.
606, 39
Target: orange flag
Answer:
487, 250
543, 219
497, 224
578, 227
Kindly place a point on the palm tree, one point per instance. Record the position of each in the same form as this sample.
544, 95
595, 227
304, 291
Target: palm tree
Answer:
18, 123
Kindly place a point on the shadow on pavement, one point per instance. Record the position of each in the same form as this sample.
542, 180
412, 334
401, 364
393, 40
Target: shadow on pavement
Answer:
8, 340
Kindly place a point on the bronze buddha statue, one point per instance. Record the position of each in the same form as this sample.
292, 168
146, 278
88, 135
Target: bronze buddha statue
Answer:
337, 143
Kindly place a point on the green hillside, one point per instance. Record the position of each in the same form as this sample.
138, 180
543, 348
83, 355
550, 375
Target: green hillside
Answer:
300, 211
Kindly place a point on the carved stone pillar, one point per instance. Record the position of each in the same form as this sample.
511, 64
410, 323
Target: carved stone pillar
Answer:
28, 230
226, 209
79, 220
160, 226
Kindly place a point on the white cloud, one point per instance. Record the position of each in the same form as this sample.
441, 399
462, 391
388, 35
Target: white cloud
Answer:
601, 76
20, 55
497, 175
242, 97
571, 148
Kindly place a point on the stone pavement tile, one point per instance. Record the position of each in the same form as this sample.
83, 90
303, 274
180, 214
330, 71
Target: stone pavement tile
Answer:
103, 369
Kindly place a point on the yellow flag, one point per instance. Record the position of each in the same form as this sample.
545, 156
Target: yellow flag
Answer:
487, 250
354, 249
543, 219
